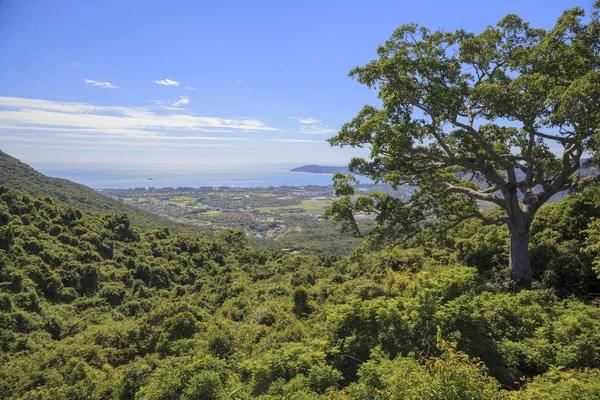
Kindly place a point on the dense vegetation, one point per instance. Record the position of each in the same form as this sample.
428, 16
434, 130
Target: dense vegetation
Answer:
18, 175
91, 307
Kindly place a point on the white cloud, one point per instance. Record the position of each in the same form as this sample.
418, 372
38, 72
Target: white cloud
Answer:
176, 138
313, 126
296, 141
308, 121
127, 143
141, 122
166, 82
318, 130
182, 101
106, 85
190, 88
239, 81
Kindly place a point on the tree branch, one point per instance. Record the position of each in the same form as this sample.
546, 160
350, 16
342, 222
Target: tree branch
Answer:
555, 138
482, 142
490, 189
486, 221
571, 161
474, 193
529, 173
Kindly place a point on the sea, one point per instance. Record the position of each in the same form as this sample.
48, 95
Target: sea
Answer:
256, 176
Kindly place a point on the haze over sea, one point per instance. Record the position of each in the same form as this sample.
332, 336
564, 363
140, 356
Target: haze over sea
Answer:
254, 176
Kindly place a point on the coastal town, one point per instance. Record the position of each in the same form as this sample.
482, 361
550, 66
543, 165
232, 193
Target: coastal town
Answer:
277, 214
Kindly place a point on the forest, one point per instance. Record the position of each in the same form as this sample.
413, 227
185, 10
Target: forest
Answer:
93, 307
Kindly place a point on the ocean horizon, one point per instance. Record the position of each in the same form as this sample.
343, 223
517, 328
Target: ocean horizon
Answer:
265, 176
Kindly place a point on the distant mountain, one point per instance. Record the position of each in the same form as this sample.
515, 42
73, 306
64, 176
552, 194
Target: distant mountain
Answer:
18, 175
318, 169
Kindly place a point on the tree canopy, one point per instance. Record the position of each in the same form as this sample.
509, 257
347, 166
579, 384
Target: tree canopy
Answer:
469, 118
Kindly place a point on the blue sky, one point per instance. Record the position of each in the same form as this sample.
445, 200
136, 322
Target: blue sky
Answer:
190, 84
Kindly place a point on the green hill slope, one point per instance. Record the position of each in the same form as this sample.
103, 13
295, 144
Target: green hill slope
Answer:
92, 308
18, 175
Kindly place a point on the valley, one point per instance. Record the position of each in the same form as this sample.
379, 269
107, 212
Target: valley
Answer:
285, 217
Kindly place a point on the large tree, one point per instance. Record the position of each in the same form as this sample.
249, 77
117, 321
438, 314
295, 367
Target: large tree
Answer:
504, 117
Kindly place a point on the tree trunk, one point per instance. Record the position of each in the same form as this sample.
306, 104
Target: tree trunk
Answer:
520, 267
519, 220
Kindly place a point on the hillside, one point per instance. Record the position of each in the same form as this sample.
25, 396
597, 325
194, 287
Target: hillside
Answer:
18, 175
92, 308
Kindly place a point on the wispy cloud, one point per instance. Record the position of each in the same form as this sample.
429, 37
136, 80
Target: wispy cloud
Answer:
166, 82
296, 141
141, 122
313, 126
127, 143
175, 138
190, 88
106, 85
306, 120
317, 130
182, 101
